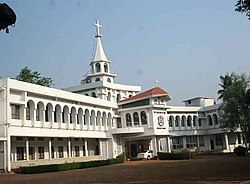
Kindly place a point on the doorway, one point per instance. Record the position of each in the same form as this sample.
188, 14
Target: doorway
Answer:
212, 144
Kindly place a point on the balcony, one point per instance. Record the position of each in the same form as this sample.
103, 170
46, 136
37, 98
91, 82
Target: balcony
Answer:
128, 130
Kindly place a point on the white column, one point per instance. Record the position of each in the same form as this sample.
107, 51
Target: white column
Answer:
226, 142
198, 143
107, 149
86, 147
100, 147
27, 148
155, 150
50, 153
69, 147
184, 142
168, 144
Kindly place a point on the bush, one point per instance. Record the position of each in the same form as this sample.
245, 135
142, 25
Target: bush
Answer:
70, 166
176, 155
240, 151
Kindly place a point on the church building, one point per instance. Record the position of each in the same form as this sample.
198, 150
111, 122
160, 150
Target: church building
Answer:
100, 119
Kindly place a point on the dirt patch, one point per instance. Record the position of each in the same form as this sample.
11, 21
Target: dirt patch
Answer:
216, 169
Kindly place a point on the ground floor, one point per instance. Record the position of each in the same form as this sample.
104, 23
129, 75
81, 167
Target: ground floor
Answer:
25, 151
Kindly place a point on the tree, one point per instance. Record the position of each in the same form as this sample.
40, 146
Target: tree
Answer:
235, 111
243, 6
26, 75
226, 82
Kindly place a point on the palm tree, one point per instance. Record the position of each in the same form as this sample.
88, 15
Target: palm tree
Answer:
226, 81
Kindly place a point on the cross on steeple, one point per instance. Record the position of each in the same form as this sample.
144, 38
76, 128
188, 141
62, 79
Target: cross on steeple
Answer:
157, 83
98, 26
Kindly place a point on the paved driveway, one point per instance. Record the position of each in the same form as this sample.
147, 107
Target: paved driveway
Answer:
216, 169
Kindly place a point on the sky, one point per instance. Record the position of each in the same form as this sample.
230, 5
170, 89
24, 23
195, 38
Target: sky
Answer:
185, 45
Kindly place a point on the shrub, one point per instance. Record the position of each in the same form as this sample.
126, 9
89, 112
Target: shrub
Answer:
176, 155
70, 166
240, 151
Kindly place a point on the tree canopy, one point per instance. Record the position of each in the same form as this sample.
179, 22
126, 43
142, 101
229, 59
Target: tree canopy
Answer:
34, 77
243, 6
235, 112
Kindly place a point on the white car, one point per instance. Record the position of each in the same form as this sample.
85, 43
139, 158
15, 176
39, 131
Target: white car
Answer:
145, 155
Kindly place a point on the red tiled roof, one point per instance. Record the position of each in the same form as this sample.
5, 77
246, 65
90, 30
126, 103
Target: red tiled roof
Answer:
151, 92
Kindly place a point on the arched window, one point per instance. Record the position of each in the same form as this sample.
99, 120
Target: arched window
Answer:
57, 114
109, 96
144, 118
79, 116
130, 95
93, 94
108, 80
30, 110
128, 119
92, 118
98, 118
98, 67
189, 121
97, 79
118, 97
86, 117
65, 114
73, 115
104, 119
183, 121
195, 121
200, 122
106, 67
177, 121
39, 111
136, 118
210, 121
171, 121
215, 119
48, 112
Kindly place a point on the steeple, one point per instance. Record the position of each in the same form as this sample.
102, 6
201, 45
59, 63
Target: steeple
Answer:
99, 52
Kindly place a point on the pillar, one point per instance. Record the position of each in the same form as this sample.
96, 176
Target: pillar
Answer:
184, 142
69, 148
50, 153
27, 148
100, 147
168, 144
226, 142
86, 147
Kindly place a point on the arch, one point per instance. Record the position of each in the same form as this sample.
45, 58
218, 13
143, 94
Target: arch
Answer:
106, 68
30, 110
48, 112
65, 117
57, 113
109, 123
136, 118
92, 118
195, 120
189, 120
98, 67
93, 94
183, 121
104, 119
86, 117
215, 119
128, 119
98, 118
79, 116
177, 121
97, 79
39, 111
86, 94
108, 80
109, 96
118, 97
171, 121
72, 118
144, 117
210, 121
130, 95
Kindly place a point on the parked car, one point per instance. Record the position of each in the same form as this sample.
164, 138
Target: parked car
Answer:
145, 155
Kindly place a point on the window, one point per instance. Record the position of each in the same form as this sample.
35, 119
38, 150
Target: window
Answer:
177, 121
40, 152
98, 67
119, 123
28, 112
144, 118
118, 97
218, 140
19, 138
47, 114
93, 94
200, 123
201, 141
21, 153
194, 121
239, 138
109, 96
31, 153
177, 142
60, 151
83, 150
52, 152
215, 119
191, 141
183, 120
171, 121
128, 119
108, 80
210, 122
136, 118
106, 67
97, 79
189, 121
15, 111
77, 151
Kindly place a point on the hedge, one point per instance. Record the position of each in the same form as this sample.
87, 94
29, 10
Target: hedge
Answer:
177, 155
71, 166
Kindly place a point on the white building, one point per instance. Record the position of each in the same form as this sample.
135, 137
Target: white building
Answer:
100, 119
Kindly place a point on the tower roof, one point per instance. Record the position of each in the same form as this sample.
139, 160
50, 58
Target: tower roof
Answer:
99, 52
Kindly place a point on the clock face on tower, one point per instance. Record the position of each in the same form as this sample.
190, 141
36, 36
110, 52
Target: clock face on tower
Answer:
160, 120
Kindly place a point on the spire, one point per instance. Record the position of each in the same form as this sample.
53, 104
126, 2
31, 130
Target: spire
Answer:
99, 52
